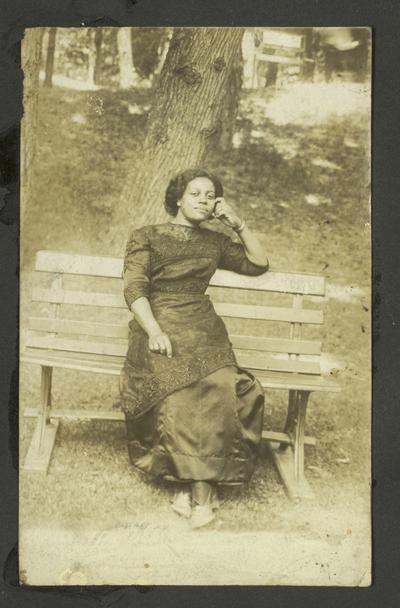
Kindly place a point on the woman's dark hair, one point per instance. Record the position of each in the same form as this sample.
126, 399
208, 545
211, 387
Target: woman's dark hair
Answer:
178, 184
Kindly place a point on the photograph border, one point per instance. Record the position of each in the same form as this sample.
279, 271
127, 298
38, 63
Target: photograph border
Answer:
385, 24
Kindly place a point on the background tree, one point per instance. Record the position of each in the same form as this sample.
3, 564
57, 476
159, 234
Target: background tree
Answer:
162, 51
128, 75
98, 40
94, 48
31, 56
186, 118
230, 105
51, 47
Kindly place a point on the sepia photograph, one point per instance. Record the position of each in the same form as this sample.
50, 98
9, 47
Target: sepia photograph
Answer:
195, 306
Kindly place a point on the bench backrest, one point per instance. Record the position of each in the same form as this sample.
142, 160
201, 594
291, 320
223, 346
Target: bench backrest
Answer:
83, 311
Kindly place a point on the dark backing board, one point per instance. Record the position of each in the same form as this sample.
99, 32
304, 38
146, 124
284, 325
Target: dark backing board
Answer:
384, 18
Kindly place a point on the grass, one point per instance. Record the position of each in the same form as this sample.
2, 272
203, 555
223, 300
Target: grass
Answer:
85, 146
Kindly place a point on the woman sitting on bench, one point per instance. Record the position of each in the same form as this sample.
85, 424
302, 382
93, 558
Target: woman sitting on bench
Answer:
192, 415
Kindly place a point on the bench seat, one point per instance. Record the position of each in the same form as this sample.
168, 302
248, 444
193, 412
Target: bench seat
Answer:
112, 365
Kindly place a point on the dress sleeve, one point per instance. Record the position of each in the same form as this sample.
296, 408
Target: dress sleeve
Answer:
136, 267
233, 257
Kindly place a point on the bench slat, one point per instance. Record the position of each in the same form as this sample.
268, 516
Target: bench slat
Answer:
262, 361
110, 330
70, 263
272, 281
276, 345
246, 358
81, 298
76, 361
112, 366
302, 382
78, 346
243, 311
104, 266
83, 328
269, 313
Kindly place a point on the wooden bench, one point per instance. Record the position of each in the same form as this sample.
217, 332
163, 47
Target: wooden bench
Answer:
82, 324
281, 48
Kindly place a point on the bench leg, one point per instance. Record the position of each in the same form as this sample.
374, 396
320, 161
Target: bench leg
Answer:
42, 443
301, 410
289, 460
291, 418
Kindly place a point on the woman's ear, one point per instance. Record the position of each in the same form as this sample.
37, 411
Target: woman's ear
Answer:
178, 204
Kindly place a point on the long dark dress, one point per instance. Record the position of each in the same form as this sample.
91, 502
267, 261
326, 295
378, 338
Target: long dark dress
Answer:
197, 415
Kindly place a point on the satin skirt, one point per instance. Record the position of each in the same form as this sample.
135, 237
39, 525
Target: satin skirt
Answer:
207, 431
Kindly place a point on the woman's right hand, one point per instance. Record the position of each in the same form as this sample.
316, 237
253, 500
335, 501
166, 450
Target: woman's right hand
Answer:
160, 343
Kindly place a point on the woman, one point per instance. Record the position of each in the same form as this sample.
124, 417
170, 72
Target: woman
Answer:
192, 415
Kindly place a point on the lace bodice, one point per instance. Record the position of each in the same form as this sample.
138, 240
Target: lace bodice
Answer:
172, 258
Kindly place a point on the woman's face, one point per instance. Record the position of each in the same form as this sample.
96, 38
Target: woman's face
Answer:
198, 201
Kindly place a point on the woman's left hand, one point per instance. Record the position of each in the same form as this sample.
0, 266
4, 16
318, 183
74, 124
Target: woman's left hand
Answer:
226, 214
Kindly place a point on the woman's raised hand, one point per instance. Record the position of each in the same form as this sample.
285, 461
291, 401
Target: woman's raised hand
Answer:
160, 343
225, 213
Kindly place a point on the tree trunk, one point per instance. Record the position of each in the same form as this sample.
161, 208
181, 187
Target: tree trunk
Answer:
98, 39
230, 104
308, 66
128, 76
186, 118
31, 56
162, 54
248, 52
51, 47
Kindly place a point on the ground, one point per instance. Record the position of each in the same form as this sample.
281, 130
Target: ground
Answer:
299, 173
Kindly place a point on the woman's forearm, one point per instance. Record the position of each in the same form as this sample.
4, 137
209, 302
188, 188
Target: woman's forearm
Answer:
144, 316
159, 342
252, 246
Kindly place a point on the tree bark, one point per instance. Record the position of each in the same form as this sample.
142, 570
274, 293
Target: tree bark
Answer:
128, 75
51, 47
31, 56
186, 118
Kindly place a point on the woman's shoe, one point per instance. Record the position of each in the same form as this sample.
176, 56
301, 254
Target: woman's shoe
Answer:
201, 516
182, 503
